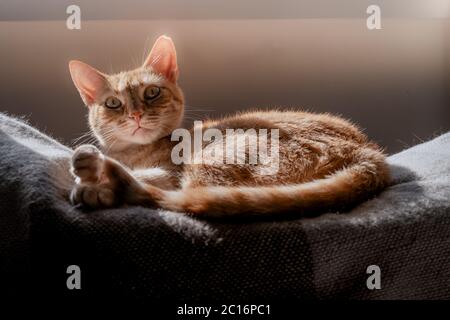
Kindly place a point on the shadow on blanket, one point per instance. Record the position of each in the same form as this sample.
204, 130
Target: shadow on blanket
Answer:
140, 253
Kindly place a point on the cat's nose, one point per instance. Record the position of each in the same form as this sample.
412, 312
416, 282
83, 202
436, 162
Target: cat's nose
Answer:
136, 115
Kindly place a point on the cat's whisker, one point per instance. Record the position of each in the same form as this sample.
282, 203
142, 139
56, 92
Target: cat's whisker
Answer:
76, 140
111, 145
111, 70
189, 108
109, 136
198, 110
87, 137
145, 50
109, 130
134, 60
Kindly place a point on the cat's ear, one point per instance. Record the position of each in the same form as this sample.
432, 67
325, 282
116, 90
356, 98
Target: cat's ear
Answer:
163, 58
89, 81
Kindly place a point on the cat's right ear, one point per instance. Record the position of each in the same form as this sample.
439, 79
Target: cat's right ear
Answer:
89, 81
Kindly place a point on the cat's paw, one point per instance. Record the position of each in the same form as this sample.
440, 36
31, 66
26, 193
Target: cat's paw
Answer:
93, 196
88, 163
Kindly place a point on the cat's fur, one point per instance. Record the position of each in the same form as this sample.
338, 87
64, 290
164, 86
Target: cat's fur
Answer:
325, 163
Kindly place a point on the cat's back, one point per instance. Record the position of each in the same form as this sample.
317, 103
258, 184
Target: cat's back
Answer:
293, 123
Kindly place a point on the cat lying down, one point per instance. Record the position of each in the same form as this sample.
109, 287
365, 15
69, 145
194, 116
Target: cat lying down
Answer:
323, 163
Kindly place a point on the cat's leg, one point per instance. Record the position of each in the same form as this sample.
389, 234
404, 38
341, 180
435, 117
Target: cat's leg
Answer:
104, 182
157, 177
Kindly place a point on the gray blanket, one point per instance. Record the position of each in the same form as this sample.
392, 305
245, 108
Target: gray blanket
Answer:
141, 253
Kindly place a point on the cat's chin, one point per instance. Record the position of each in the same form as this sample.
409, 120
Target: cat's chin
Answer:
142, 136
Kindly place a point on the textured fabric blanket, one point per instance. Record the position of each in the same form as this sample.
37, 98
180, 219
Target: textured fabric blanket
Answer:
144, 254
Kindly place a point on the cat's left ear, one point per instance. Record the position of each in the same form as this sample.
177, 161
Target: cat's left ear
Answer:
163, 58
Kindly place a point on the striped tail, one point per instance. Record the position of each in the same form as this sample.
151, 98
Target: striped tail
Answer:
363, 179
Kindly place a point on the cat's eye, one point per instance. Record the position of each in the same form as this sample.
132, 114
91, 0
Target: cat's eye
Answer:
151, 92
113, 103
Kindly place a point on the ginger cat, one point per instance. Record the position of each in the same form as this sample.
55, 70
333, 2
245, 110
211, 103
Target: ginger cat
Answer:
325, 163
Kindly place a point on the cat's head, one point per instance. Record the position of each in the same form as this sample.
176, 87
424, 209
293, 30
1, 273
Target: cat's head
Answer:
133, 107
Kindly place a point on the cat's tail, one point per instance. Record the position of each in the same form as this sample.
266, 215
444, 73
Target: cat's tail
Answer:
362, 179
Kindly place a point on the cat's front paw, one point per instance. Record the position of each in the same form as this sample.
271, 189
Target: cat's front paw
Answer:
88, 163
93, 196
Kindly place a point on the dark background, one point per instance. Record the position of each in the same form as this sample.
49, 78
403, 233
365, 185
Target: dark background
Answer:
314, 55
